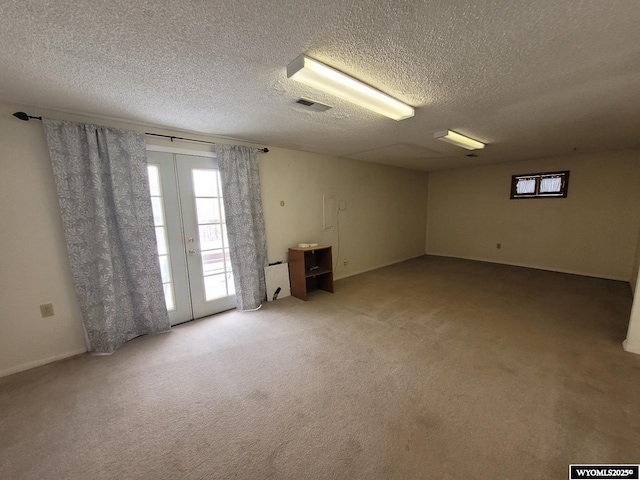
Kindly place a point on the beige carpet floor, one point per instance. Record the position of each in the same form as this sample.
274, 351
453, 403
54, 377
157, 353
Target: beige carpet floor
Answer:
433, 368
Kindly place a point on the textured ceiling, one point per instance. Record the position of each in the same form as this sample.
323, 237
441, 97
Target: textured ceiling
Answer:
531, 79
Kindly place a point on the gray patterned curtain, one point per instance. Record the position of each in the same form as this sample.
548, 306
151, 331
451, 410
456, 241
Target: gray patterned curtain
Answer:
242, 199
103, 188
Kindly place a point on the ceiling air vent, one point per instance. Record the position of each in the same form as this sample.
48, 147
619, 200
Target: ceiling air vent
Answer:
313, 105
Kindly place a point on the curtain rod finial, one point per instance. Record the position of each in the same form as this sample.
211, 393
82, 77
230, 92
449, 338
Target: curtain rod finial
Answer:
25, 117
21, 116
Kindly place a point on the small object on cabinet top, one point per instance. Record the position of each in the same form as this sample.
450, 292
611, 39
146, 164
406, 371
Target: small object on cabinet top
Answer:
310, 248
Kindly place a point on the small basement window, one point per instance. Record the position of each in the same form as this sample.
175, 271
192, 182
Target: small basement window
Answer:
540, 185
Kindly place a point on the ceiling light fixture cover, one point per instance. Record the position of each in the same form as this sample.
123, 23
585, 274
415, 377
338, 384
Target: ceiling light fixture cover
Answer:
313, 105
458, 139
318, 75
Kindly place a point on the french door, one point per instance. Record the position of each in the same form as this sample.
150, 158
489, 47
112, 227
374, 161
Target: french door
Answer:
191, 235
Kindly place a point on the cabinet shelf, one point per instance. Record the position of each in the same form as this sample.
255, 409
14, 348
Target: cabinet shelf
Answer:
303, 279
315, 273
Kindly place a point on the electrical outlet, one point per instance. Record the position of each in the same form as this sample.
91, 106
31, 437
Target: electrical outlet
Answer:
345, 262
46, 310
498, 246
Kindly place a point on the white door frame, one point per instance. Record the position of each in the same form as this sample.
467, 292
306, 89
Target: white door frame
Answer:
180, 218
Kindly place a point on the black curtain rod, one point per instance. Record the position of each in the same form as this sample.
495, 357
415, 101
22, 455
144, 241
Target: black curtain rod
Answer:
25, 117
172, 138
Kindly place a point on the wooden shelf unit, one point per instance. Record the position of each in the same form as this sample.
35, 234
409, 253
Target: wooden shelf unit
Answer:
303, 278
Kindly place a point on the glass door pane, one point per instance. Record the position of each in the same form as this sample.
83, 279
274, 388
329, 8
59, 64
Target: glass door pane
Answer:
168, 221
157, 203
210, 275
216, 268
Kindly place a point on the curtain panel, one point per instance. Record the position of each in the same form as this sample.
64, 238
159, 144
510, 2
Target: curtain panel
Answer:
242, 200
103, 189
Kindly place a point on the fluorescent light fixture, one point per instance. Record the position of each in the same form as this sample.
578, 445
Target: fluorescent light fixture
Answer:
318, 75
458, 139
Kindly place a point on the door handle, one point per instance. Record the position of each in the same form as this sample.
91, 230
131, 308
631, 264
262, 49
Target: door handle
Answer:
192, 252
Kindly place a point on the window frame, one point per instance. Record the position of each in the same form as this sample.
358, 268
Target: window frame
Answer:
564, 188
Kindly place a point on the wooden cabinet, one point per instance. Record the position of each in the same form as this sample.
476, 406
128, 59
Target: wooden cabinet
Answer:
310, 268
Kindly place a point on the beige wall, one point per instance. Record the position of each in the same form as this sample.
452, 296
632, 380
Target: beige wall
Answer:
385, 222
33, 257
632, 342
592, 232
636, 266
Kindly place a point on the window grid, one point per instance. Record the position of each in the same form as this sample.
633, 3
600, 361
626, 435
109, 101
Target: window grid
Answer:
540, 185
212, 229
162, 242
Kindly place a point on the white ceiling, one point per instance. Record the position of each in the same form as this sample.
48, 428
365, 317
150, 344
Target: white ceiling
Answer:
530, 78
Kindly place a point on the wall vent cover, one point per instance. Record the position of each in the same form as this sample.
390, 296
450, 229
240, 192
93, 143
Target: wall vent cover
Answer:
313, 105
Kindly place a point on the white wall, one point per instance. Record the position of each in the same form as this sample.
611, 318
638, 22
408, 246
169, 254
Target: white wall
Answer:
592, 232
385, 222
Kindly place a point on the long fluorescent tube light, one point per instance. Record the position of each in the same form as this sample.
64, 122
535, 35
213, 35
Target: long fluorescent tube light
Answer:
458, 139
318, 75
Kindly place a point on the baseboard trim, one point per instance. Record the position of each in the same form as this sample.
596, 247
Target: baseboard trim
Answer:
38, 363
536, 267
339, 276
631, 348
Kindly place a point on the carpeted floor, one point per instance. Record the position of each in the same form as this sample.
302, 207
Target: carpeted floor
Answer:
434, 368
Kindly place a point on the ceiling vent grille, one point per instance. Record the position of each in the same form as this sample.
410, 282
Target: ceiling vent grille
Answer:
313, 105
